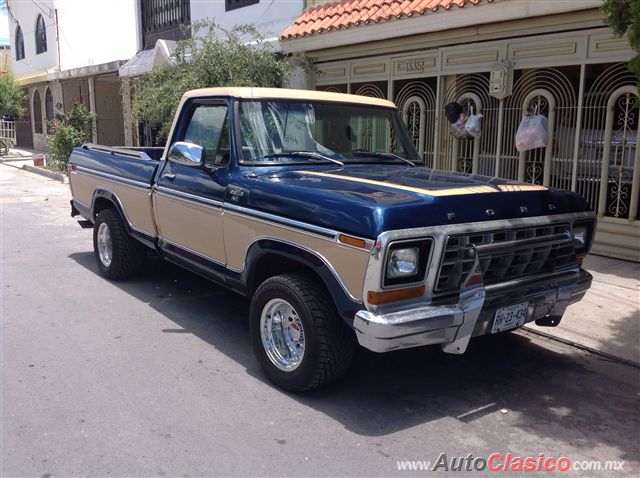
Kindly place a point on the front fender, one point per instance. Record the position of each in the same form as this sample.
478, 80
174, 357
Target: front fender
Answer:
345, 303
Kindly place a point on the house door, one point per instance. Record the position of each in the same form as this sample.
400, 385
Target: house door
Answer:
109, 115
24, 136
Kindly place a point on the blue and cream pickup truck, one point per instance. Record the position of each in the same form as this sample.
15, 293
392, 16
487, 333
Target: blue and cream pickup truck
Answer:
311, 205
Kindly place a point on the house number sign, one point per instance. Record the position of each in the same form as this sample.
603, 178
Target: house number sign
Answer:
415, 66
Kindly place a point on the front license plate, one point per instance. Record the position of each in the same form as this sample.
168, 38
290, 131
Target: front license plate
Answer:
510, 317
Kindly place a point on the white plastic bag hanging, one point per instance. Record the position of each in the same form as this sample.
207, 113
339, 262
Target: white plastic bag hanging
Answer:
473, 126
533, 132
457, 129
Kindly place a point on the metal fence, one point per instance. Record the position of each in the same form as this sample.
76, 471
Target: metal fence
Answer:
592, 126
7, 134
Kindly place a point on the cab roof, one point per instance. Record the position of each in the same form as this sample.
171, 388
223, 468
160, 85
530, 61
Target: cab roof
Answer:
287, 94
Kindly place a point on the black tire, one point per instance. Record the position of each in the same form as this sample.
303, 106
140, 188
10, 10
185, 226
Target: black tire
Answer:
329, 343
128, 255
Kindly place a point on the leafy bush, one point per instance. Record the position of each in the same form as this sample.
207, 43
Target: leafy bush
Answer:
211, 56
623, 16
67, 132
11, 97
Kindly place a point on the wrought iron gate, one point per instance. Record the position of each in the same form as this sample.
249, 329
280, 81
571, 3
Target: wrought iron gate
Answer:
470, 155
417, 103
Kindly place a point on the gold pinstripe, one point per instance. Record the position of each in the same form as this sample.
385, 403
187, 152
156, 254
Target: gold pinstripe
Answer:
436, 192
521, 187
400, 187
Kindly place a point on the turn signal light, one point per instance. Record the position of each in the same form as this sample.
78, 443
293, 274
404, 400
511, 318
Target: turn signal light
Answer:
387, 296
352, 241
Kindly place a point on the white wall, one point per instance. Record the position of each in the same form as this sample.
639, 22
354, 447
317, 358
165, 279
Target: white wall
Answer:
26, 14
270, 17
97, 31
91, 32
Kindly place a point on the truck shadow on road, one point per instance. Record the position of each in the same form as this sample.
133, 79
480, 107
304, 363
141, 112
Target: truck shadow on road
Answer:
552, 392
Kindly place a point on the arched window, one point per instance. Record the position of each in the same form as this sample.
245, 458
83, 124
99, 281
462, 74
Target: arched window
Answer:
19, 44
48, 108
37, 112
41, 36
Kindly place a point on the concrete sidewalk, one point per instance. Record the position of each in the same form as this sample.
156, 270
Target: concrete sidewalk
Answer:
18, 154
23, 159
608, 318
18, 157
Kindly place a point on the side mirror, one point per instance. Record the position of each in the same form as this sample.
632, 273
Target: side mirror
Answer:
188, 154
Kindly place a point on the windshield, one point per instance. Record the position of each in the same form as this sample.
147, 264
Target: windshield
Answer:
300, 132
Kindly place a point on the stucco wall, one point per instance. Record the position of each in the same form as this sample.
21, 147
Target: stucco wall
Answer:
269, 17
96, 32
90, 33
26, 13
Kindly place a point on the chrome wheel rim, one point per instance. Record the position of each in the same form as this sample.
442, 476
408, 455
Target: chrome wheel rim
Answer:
105, 248
282, 334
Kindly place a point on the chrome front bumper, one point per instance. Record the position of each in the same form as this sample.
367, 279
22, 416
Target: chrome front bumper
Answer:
452, 325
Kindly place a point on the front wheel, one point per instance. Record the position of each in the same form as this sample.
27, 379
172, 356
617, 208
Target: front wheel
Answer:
297, 336
117, 253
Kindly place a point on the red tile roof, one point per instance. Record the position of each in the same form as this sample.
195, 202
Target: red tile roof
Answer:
349, 13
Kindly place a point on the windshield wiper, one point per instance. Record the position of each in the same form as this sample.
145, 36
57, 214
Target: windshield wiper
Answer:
384, 155
303, 154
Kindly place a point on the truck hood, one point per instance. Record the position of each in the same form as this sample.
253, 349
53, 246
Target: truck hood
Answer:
367, 200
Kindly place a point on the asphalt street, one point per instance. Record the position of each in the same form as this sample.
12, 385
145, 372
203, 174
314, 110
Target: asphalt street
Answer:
154, 376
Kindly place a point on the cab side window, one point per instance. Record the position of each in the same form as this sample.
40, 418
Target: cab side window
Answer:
209, 128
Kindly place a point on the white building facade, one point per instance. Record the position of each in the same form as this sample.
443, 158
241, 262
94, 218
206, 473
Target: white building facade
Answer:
269, 17
67, 52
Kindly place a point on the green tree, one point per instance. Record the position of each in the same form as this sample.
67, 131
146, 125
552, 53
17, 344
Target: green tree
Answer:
211, 56
623, 16
67, 132
11, 97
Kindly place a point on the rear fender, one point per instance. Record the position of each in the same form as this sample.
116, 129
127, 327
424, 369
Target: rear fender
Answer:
102, 195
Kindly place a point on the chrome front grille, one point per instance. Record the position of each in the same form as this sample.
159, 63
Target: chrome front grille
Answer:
505, 254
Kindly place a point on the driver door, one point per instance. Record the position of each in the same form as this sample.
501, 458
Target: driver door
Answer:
188, 198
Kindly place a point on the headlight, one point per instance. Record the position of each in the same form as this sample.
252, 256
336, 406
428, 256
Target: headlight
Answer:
582, 233
402, 262
580, 237
406, 262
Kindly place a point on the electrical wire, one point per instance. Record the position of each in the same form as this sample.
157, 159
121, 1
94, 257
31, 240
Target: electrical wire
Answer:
5, 3
48, 14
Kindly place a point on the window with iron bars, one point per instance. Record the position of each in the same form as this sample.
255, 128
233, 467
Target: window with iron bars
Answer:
235, 4
163, 20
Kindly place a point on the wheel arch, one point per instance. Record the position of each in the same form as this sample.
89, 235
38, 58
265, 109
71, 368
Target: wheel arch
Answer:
105, 198
268, 257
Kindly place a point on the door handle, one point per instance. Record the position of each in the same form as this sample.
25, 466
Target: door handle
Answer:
169, 176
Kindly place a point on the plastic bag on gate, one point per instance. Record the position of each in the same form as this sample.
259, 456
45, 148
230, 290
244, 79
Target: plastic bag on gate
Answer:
474, 125
457, 129
532, 133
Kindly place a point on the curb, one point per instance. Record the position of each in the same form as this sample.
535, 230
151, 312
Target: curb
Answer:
13, 159
11, 165
45, 172
586, 348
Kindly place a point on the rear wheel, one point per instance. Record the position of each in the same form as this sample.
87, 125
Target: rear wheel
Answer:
297, 336
117, 253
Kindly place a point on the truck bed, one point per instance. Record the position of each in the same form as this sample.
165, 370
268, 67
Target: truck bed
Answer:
134, 164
